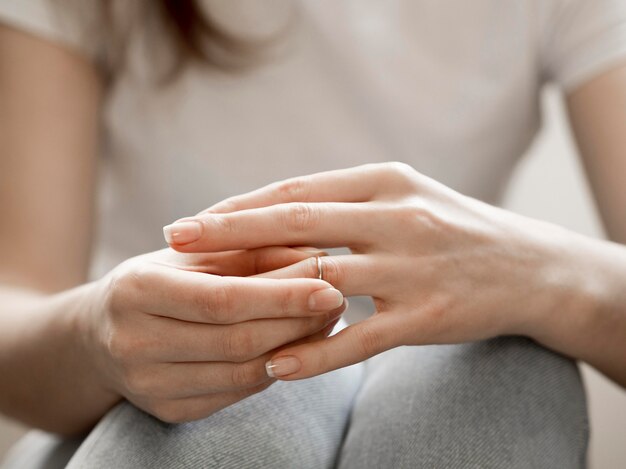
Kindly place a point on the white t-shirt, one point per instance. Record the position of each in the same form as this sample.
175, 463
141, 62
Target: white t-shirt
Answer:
449, 86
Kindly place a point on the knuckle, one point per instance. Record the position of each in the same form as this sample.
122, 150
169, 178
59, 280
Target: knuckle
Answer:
294, 189
227, 205
413, 216
399, 169
286, 301
247, 375
406, 212
115, 297
120, 291
217, 303
369, 340
127, 336
223, 223
401, 175
121, 347
126, 284
322, 359
333, 271
239, 344
127, 347
310, 269
137, 382
435, 313
300, 217
116, 348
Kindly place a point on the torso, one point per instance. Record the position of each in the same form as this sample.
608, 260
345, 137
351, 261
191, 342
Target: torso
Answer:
450, 87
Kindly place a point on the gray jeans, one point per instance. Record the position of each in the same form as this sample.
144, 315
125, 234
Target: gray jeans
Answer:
505, 403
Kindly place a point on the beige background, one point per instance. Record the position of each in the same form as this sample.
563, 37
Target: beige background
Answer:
549, 184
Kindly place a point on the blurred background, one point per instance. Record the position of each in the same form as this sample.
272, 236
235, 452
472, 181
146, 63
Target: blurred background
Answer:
549, 184
567, 202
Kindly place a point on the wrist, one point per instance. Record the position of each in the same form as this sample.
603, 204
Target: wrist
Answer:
84, 329
576, 299
541, 275
51, 382
572, 291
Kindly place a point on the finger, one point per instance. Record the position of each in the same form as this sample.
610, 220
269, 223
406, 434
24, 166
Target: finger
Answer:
201, 378
291, 224
356, 274
276, 257
351, 345
191, 342
202, 298
358, 184
243, 263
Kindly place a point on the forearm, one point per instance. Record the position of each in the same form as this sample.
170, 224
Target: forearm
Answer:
48, 380
587, 318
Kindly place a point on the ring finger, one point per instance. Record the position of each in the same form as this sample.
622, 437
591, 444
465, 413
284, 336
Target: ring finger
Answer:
355, 274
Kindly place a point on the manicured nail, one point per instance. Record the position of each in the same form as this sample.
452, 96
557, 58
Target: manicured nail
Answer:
282, 366
325, 300
183, 232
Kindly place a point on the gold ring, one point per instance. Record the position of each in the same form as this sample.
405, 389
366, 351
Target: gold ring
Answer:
320, 268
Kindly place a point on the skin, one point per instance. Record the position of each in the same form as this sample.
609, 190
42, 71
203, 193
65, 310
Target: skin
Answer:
441, 267
180, 336
423, 251
69, 350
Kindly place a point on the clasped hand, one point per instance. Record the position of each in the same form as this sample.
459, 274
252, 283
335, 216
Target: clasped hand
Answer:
184, 335
441, 267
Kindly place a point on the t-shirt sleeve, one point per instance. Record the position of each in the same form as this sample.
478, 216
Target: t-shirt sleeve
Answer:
67, 22
581, 39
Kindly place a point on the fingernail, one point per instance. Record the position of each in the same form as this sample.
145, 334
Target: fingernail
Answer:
183, 232
282, 366
326, 299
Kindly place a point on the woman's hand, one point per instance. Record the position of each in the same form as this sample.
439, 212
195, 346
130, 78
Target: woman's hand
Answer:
441, 267
181, 337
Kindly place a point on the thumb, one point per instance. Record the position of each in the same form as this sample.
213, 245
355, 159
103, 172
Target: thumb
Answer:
351, 345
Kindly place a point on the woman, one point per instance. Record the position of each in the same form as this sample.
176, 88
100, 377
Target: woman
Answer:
299, 88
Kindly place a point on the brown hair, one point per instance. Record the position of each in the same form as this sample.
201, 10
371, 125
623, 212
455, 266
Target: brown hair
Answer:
190, 34
197, 36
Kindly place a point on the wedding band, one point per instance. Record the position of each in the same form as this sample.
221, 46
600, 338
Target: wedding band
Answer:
320, 269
